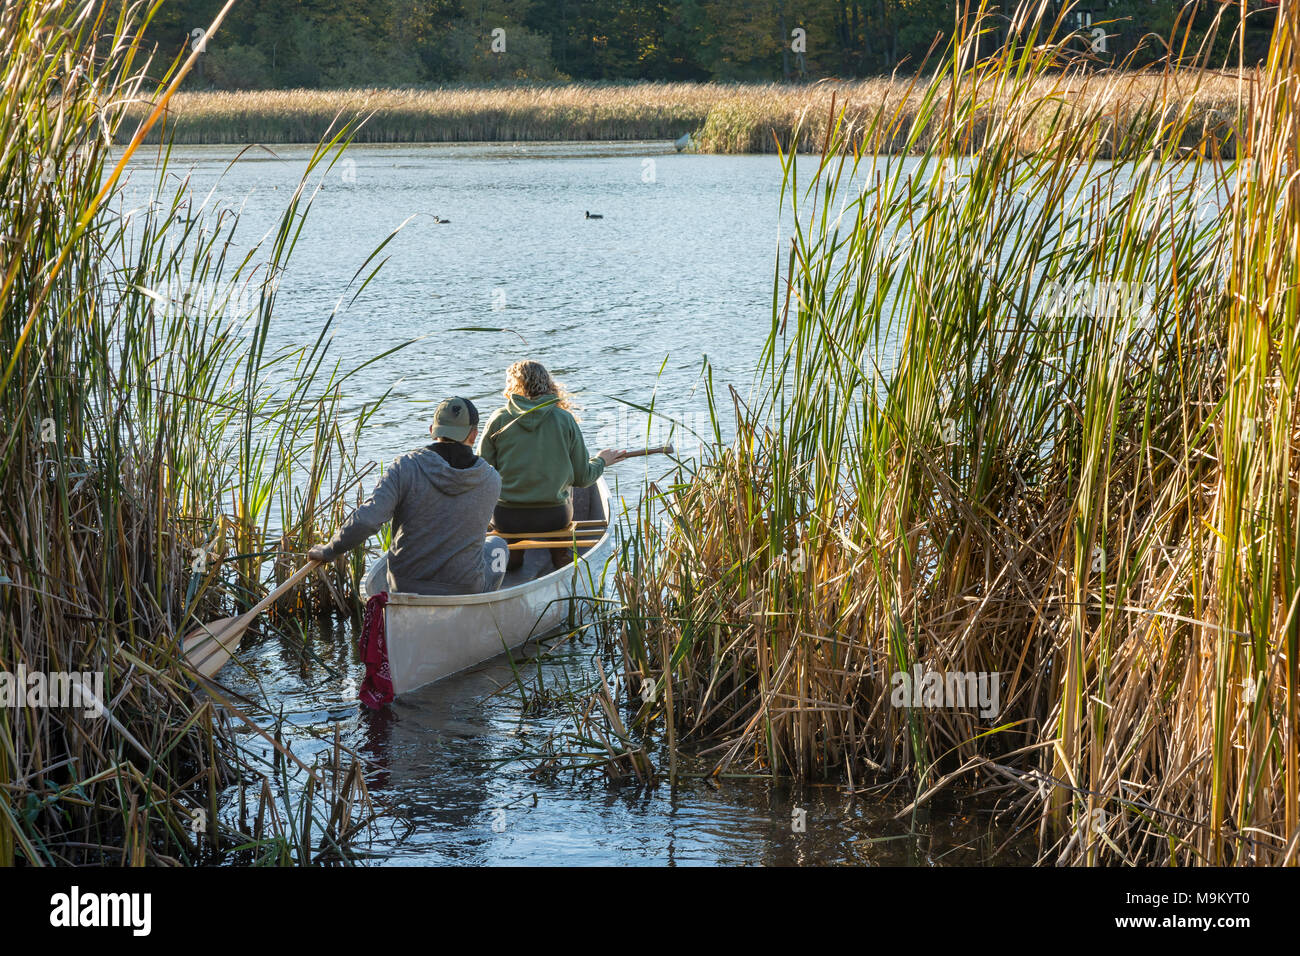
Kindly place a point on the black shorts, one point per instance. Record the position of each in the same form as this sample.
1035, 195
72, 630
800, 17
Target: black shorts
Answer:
509, 520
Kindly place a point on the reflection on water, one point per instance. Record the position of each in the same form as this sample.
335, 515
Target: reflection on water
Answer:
441, 773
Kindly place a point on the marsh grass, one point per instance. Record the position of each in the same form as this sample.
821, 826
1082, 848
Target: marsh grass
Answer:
723, 118
586, 729
1097, 504
160, 464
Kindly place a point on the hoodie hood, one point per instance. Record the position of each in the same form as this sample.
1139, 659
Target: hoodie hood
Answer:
529, 413
449, 480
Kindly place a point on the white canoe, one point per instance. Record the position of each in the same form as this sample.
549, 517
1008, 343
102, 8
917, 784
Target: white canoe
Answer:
434, 636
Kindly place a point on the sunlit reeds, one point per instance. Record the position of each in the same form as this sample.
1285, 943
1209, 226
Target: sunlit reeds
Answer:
158, 463
948, 465
724, 118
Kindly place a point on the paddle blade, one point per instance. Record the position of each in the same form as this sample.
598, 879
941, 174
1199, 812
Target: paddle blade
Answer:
209, 646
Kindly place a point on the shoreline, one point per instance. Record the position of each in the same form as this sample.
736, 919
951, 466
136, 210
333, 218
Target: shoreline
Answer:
720, 118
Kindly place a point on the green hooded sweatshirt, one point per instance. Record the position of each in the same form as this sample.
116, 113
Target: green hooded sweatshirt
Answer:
538, 449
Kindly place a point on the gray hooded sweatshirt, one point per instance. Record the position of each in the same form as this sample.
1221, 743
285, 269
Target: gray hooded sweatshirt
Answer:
440, 515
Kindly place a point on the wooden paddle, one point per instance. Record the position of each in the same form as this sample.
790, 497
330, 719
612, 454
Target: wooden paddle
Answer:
657, 450
209, 646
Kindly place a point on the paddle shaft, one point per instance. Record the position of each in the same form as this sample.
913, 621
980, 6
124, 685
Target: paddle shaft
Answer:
209, 646
247, 618
641, 453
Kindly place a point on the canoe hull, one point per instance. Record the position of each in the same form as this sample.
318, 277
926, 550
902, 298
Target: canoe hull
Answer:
432, 637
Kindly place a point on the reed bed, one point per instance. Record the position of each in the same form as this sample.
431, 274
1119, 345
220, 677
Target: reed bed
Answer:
945, 465
159, 464
723, 118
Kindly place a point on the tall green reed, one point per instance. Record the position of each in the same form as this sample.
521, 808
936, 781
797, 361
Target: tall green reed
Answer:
160, 459
955, 462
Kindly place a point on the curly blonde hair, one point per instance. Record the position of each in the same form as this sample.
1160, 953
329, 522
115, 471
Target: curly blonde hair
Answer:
530, 379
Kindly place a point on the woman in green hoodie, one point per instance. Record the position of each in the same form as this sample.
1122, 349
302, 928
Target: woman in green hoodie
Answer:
535, 444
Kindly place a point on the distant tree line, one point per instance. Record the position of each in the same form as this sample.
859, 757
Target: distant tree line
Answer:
348, 43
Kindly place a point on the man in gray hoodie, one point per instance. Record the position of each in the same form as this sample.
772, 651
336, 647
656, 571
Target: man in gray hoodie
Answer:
440, 499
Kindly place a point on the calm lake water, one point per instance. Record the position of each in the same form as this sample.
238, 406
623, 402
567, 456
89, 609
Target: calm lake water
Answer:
625, 307
680, 267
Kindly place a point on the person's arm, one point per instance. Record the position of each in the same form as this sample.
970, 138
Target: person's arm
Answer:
586, 467
365, 521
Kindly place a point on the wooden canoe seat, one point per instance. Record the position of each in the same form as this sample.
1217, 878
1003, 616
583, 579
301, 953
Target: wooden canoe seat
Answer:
580, 534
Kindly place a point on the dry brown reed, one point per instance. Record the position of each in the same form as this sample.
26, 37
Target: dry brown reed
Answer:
945, 468
723, 118
153, 468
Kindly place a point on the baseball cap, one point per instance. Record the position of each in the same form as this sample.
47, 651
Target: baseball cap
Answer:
454, 418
